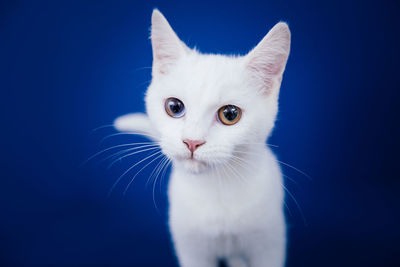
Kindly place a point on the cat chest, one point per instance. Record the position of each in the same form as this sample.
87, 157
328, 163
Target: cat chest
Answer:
219, 215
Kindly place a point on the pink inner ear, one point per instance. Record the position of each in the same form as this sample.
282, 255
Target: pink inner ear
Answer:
167, 47
165, 54
164, 61
267, 68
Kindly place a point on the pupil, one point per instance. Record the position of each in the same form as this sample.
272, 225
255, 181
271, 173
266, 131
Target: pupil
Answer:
175, 106
230, 113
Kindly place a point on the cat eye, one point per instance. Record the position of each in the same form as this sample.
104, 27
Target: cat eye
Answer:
174, 107
229, 114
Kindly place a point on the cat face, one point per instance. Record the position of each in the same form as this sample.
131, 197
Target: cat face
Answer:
209, 108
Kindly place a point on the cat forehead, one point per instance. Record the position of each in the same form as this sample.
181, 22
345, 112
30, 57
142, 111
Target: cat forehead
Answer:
200, 76
210, 66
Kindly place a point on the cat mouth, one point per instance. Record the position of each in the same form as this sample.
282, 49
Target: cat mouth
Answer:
194, 160
194, 165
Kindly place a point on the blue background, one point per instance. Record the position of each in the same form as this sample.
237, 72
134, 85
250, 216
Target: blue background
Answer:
67, 67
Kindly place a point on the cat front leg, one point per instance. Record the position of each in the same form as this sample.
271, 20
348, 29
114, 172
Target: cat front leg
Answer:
237, 262
268, 258
267, 249
194, 251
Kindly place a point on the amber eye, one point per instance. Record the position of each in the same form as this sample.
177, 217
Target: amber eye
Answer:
174, 107
229, 114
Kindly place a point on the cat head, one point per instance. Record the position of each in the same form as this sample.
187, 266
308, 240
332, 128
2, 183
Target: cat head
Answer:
207, 107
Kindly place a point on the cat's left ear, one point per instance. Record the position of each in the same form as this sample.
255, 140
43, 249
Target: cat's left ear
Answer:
267, 61
167, 47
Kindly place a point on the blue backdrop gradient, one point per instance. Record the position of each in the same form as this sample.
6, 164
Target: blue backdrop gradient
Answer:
67, 67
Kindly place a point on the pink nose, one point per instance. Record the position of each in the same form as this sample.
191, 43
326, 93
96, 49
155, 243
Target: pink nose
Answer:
193, 144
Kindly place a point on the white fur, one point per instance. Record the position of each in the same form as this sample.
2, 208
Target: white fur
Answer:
228, 202
134, 122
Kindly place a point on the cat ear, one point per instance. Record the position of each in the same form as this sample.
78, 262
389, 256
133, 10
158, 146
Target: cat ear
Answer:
136, 123
267, 61
167, 48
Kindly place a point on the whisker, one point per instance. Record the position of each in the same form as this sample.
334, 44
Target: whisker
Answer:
232, 169
238, 159
129, 184
271, 145
102, 127
105, 150
164, 172
154, 171
143, 68
248, 166
224, 171
154, 186
127, 133
165, 163
258, 143
294, 168
219, 170
291, 179
297, 204
147, 144
131, 154
128, 170
283, 163
287, 207
143, 83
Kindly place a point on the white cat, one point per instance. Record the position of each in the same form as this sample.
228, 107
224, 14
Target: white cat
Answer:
211, 115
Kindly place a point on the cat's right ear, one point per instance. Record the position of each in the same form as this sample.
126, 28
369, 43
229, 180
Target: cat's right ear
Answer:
266, 62
167, 47
136, 123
